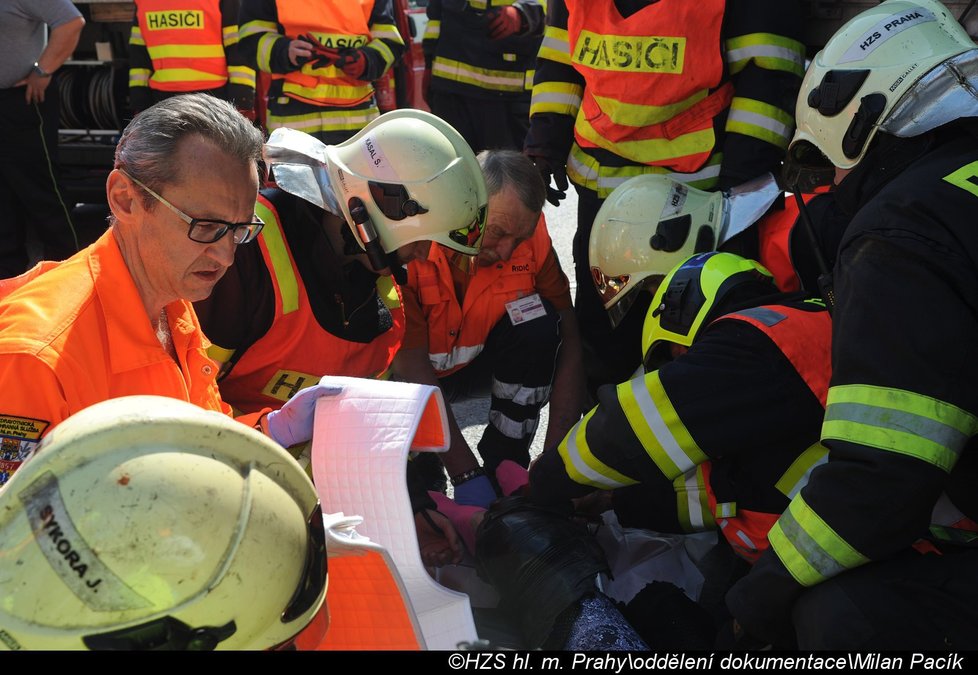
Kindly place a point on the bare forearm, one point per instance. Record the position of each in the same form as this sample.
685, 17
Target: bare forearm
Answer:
568, 398
61, 43
412, 365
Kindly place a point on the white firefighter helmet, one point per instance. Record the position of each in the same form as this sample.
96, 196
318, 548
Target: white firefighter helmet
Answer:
149, 523
903, 67
644, 228
407, 176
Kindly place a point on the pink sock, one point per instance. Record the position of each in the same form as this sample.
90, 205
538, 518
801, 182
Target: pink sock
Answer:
511, 476
460, 515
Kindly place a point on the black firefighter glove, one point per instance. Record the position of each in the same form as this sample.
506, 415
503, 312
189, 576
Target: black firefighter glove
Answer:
552, 169
539, 561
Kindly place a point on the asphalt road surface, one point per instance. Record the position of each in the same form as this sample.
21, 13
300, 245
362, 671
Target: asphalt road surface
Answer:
472, 414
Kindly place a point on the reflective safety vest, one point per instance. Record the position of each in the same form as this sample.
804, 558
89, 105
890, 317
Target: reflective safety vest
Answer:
774, 238
337, 24
805, 338
296, 351
185, 42
457, 333
647, 97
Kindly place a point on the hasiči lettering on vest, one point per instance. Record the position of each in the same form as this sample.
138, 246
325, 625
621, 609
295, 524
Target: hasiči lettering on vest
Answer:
630, 53
191, 18
341, 41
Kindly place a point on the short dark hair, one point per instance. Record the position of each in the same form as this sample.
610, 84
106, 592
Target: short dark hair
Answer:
503, 168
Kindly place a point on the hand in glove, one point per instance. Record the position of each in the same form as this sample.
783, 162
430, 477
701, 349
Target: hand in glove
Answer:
504, 22
558, 172
477, 491
353, 63
292, 423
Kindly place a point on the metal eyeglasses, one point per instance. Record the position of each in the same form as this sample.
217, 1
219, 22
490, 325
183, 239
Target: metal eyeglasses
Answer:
207, 230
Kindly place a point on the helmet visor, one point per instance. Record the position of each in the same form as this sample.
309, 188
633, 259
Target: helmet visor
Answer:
806, 168
468, 239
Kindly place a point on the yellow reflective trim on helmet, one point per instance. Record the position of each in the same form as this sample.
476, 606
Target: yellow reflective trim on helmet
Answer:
288, 285
810, 549
655, 422
767, 50
965, 178
760, 120
898, 421
582, 466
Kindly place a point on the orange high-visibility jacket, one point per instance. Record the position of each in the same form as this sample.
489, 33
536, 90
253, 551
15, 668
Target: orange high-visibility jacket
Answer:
185, 41
457, 333
296, 351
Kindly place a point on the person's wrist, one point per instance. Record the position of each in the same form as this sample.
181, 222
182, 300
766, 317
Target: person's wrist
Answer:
40, 72
466, 476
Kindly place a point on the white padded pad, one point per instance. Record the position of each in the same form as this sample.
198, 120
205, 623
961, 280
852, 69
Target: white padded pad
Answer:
360, 445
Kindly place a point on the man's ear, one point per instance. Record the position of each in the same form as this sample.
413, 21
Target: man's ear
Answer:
122, 197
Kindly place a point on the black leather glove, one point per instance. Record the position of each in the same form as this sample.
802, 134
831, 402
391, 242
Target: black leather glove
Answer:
557, 171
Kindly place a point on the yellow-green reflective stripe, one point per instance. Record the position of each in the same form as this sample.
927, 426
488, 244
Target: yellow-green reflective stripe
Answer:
653, 149
255, 27
136, 37
692, 502
500, 80
230, 35
479, 4
387, 292
381, 48
139, 77
760, 120
555, 45
185, 75
658, 427
241, 75
562, 98
808, 547
386, 31
898, 421
433, 30
636, 115
796, 477
265, 44
583, 170
288, 286
582, 466
220, 354
328, 120
186, 52
769, 51
965, 178
329, 92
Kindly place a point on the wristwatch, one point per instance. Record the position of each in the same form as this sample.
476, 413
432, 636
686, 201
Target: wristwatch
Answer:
40, 72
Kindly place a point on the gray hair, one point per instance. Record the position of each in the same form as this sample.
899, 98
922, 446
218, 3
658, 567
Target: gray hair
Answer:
503, 168
149, 143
